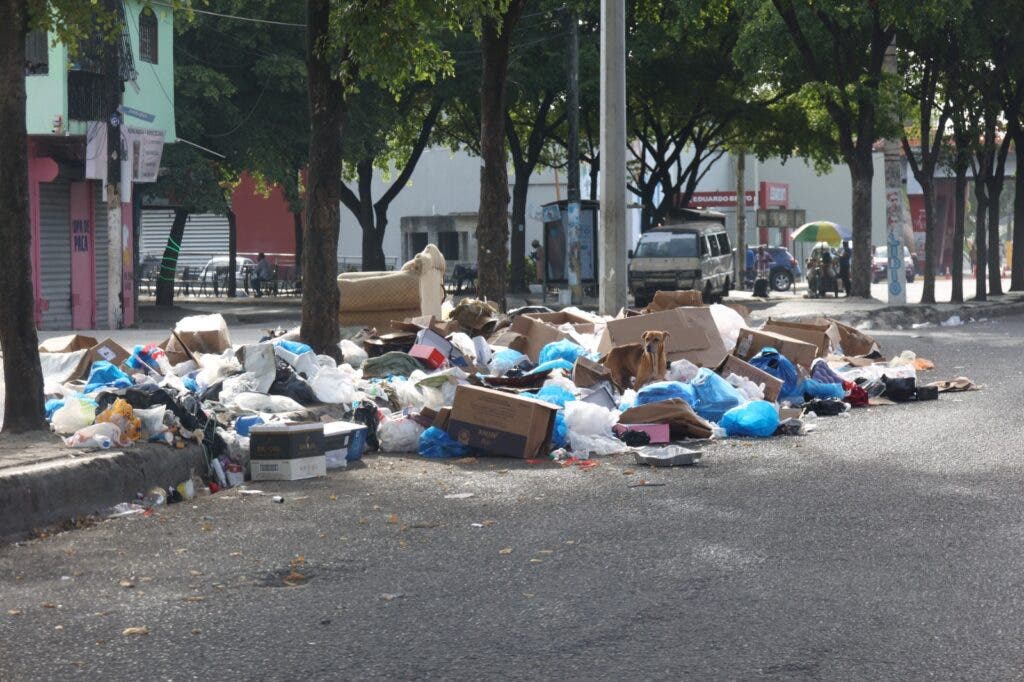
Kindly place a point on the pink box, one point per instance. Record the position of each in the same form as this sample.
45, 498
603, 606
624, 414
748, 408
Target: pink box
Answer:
657, 432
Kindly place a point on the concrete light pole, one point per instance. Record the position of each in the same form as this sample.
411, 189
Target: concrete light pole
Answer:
894, 203
612, 245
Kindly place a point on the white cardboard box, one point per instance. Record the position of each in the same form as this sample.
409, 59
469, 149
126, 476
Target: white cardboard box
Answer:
288, 469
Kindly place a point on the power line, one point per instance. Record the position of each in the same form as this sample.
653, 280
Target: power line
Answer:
231, 16
247, 116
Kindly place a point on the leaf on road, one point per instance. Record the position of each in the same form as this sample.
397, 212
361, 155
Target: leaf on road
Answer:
135, 632
126, 584
195, 599
294, 578
458, 496
393, 519
13, 612
505, 550
48, 605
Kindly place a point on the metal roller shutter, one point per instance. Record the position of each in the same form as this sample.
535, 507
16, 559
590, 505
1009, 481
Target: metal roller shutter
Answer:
100, 207
206, 236
55, 253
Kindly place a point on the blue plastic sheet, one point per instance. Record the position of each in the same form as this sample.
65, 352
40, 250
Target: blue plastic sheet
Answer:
294, 346
779, 366
437, 444
506, 359
555, 395
557, 363
715, 396
563, 349
105, 375
666, 390
757, 418
246, 422
52, 405
559, 432
812, 389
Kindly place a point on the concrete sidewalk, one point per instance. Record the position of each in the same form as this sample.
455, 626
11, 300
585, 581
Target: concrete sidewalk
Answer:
43, 483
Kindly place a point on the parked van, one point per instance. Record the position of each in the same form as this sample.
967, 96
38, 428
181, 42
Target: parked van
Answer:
691, 252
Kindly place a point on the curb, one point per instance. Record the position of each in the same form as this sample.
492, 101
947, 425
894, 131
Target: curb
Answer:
41, 495
903, 316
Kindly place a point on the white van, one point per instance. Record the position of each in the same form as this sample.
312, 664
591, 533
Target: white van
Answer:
692, 252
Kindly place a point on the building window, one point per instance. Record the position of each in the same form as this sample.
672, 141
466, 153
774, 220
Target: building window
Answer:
448, 243
37, 54
148, 48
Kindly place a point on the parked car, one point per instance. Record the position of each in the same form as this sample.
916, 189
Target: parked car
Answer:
784, 271
691, 252
218, 267
880, 264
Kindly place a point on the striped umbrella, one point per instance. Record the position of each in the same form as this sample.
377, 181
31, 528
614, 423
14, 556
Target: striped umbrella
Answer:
821, 231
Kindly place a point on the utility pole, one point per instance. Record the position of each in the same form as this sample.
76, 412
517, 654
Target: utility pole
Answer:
740, 252
612, 246
115, 244
894, 203
573, 209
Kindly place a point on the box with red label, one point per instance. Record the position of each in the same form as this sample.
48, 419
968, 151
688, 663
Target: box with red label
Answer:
658, 433
428, 355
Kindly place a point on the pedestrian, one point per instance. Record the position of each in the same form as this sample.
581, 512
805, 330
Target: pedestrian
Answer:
763, 265
263, 272
845, 255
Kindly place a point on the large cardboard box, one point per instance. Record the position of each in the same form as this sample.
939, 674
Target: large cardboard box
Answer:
667, 300
509, 339
853, 341
581, 323
751, 341
693, 334
201, 334
286, 441
67, 344
108, 350
824, 336
500, 423
772, 385
536, 334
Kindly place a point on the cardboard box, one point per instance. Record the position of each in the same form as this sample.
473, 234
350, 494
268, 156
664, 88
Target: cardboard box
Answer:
693, 334
751, 341
428, 355
658, 433
537, 334
108, 350
823, 336
772, 385
500, 423
67, 344
667, 300
201, 334
790, 413
286, 441
509, 339
853, 341
441, 420
586, 372
344, 439
288, 469
582, 324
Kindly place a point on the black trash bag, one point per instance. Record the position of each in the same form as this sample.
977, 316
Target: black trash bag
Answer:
213, 392
291, 385
187, 408
106, 399
635, 439
366, 414
900, 390
189, 412
825, 408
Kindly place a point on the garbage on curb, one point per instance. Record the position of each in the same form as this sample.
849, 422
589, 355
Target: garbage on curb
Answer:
470, 381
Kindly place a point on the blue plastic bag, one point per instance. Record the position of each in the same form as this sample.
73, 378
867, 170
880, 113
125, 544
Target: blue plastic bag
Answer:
437, 444
294, 346
812, 389
715, 396
666, 390
51, 406
559, 432
563, 349
504, 360
555, 395
779, 366
758, 419
557, 363
105, 375
246, 422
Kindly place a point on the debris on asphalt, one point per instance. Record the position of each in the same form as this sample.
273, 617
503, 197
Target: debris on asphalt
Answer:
538, 385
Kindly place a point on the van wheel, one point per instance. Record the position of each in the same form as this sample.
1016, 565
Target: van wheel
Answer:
707, 295
725, 288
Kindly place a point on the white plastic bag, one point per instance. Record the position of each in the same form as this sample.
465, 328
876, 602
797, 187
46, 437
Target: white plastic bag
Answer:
152, 422
232, 387
75, 414
215, 367
408, 395
258, 402
352, 353
326, 361
102, 435
748, 388
729, 323
589, 419
260, 361
303, 363
681, 370
465, 345
398, 433
584, 445
904, 359
333, 386
558, 378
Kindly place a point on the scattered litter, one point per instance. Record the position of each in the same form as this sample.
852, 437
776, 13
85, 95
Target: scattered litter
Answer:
135, 631
389, 596
667, 456
458, 496
952, 321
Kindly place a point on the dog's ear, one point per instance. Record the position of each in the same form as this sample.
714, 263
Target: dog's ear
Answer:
666, 334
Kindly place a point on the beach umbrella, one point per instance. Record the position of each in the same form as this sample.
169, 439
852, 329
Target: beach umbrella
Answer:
821, 231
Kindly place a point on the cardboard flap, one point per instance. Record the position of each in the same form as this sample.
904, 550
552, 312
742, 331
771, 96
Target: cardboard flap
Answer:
693, 334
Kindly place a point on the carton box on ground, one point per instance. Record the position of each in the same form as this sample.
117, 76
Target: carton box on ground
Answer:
667, 300
499, 423
772, 385
108, 350
854, 342
67, 344
822, 336
751, 341
693, 334
582, 324
286, 440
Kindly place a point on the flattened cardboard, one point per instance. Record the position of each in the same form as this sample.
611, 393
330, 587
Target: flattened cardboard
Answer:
537, 334
668, 300
822, 336
582, 324
693, 335
751, 341
501, 424
587, 373
67, 344
853, 341
772, 385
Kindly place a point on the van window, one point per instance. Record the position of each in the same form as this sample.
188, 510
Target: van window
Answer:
723, 243
667, 245
713, 248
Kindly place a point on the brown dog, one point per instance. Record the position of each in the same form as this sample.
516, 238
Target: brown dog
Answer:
646, 361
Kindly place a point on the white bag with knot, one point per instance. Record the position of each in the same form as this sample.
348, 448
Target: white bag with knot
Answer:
748, 388
352, 353
75, 414
588, 419
398, 433
729, 323
333, 386
681, 370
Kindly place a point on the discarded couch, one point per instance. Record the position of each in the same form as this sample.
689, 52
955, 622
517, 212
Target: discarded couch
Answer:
373, 299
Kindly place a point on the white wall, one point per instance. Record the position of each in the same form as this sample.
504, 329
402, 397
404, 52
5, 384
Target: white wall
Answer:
444, 182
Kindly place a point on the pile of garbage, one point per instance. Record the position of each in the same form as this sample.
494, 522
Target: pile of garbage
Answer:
532, 384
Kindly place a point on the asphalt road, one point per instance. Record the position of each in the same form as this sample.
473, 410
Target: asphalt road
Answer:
884, 545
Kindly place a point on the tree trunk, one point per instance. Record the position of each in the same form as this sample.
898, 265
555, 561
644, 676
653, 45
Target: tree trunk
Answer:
23, 377
1017, 264
492, 226
961, 142
323, 190
520, 191
169, 263
928, 189
995, 264
232, 253
861, 173
595, 168
297, 219
373, 253
980, 239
